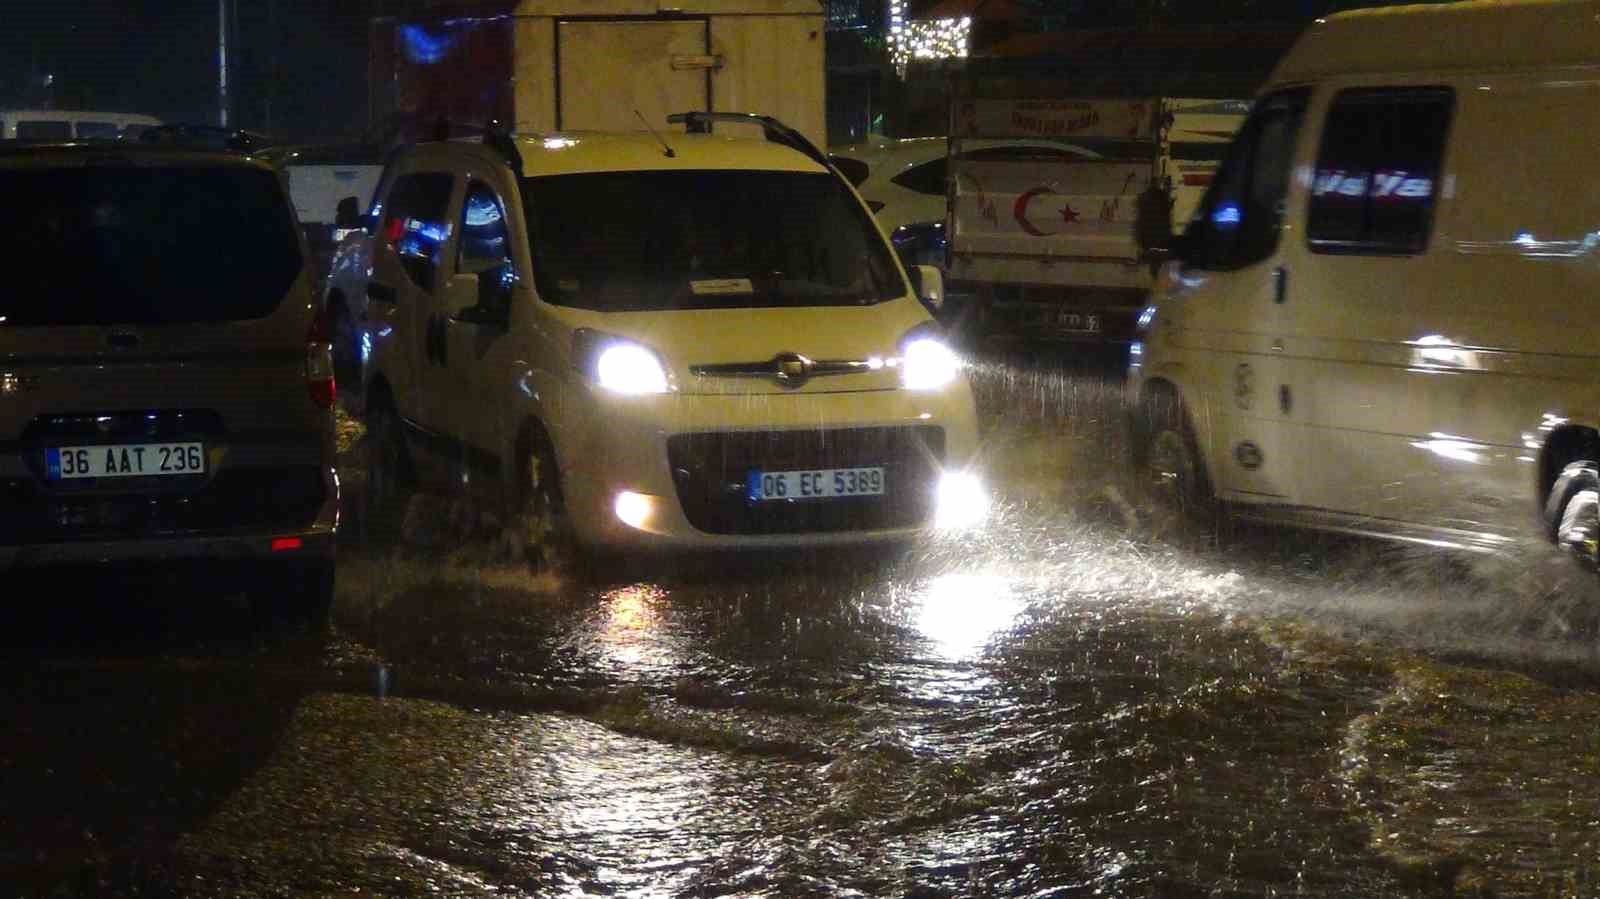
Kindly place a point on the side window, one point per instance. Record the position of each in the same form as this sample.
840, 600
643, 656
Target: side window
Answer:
927, 178
414, 224
97, 130
1378, 170
1239, 220
485, 249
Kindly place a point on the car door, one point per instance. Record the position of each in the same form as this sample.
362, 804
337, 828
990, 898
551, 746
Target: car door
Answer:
1232, 317
479, 348
413, 238
1382, 350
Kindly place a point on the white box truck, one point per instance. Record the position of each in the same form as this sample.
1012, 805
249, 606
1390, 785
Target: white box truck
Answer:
605, 65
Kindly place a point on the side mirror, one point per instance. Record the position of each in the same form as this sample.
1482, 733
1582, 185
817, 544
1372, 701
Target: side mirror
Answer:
492, 306
928, 282
347, 215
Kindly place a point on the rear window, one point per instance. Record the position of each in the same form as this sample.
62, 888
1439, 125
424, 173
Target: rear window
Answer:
139, 245
35, 130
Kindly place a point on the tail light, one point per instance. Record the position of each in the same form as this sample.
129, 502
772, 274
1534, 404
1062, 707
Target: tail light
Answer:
319, 363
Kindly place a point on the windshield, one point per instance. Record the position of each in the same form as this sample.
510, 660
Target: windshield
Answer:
143, 245
704, 239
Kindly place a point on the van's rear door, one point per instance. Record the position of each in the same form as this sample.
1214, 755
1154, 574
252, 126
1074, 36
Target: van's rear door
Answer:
613, 72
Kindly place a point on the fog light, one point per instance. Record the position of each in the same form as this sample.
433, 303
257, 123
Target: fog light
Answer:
633, 509
960, 502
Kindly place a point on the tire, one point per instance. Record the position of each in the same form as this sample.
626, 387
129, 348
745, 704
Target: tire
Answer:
1573, 512
389, 473
298, 594
1169, 465
539, 513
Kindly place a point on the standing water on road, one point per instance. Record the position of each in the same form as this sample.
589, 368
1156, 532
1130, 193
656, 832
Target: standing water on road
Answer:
1075, 702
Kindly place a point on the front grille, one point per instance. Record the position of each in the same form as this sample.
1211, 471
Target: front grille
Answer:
241, 499
711, 471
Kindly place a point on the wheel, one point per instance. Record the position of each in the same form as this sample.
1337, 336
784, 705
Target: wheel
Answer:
346, 346
539, 512
389, 474
1573, 512
1169, 463
298, 594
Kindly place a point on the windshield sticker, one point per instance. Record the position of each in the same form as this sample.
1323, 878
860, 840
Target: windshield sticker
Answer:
722, 287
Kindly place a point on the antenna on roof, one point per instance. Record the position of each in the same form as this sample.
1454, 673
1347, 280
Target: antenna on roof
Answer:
665, 147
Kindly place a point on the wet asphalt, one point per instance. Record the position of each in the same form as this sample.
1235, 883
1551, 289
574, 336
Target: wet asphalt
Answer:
1079, 700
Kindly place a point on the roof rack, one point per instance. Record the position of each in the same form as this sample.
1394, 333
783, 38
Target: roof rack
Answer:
494, 135
775, 131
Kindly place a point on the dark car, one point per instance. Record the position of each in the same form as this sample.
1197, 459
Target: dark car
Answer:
165, 386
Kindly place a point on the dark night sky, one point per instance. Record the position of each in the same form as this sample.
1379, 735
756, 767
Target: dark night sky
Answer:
160, 57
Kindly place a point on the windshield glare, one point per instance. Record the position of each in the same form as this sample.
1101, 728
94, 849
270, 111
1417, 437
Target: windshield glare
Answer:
704, 239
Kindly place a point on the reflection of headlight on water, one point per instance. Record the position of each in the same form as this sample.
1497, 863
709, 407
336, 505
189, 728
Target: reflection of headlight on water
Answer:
960, 502
960, 612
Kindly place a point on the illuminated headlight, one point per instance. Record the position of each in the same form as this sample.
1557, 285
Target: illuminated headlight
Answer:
619, 365
630, 368
960, 501
927, 363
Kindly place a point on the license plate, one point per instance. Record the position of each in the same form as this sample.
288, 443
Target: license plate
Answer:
128, 460
1078, 321
819, 483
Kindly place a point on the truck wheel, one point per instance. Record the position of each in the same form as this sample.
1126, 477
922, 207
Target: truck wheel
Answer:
389, 476
1170, 465
1573, 512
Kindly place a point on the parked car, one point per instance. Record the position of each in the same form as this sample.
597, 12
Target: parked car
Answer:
1380, 321
675, 340
72, 124
165, 386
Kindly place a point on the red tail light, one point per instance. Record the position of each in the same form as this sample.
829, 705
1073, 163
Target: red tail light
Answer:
319, 363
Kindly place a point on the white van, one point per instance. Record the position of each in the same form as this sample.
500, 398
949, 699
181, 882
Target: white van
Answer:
71, 124
1381, 317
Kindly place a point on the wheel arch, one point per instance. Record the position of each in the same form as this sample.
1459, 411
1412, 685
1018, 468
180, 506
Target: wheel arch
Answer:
1565, 445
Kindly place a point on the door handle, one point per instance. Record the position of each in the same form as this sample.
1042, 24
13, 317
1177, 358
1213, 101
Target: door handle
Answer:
381, 293
1280, 284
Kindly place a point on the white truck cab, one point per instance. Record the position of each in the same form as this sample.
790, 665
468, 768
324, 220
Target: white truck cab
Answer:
1380, 317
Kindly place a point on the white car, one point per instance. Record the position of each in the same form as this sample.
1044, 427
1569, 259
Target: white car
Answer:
683, 340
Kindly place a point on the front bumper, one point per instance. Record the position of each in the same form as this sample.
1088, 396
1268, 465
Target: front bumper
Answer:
629, 444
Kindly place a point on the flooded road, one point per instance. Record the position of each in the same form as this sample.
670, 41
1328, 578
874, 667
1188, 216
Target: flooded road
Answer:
1078, 702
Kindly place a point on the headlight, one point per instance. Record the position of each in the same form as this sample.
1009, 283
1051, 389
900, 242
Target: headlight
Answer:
619, 365
926, 363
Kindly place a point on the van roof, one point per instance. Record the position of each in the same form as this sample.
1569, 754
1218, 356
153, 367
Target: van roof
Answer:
578, 152
1475, 34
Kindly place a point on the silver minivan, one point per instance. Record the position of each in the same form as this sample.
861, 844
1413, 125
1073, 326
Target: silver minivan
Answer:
165, 386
